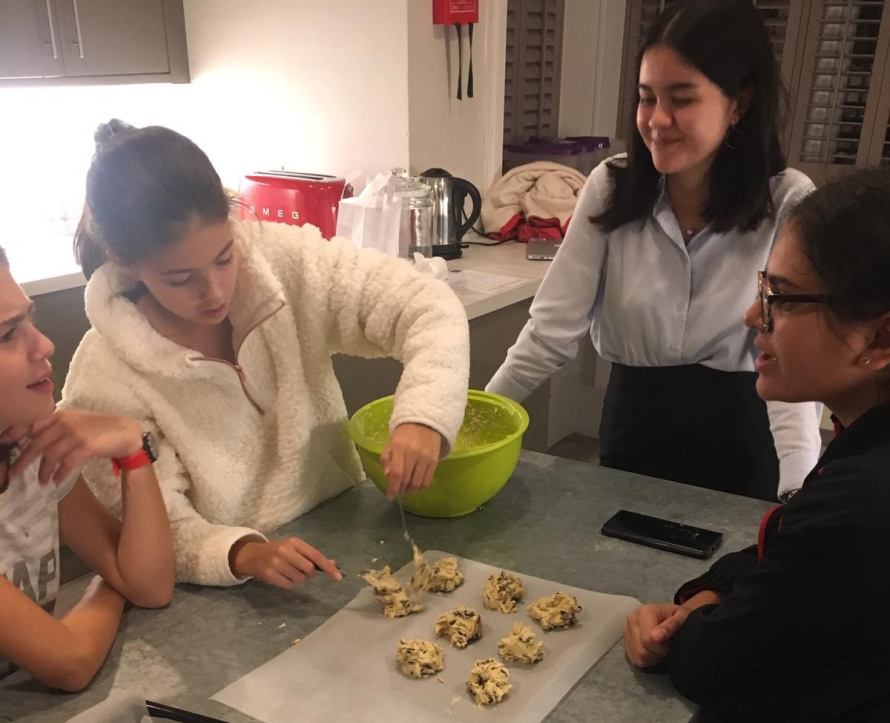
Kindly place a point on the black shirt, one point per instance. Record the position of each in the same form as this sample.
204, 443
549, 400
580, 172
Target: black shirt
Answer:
802, 632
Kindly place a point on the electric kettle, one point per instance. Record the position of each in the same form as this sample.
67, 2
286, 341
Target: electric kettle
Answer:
449, 194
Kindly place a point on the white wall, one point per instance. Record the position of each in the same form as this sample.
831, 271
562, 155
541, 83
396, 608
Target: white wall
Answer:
307, 85
463, 136
593, 34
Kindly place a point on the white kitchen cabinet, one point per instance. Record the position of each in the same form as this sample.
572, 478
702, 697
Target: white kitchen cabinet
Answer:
92, 41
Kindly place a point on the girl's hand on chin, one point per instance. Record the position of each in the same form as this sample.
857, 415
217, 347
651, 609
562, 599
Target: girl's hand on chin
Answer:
14, 434
68, 439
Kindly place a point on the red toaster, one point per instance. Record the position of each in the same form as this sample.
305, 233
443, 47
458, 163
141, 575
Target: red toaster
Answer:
294, 198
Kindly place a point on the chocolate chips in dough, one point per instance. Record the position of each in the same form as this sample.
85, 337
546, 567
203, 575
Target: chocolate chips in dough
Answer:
489, 682
419, 658
389, 593
460, 626
556, 611
502, 592
521, 646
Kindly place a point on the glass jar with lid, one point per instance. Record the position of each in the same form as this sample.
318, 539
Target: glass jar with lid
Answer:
416, 216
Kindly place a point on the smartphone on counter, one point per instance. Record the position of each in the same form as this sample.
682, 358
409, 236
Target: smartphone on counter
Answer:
663, 534
541, 249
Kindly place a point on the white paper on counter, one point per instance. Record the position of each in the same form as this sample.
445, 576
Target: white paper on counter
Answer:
482, 282
346, 669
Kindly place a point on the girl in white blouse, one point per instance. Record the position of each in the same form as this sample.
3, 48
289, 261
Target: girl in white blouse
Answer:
658, 261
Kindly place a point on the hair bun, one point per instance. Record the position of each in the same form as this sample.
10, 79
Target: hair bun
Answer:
106, 131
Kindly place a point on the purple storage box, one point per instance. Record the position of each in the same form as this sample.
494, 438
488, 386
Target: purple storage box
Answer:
540, 149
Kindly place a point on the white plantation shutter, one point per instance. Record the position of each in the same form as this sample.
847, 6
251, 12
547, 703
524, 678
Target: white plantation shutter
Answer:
839, 95
532, 72
782, 18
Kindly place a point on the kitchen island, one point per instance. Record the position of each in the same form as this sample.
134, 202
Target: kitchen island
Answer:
545, 522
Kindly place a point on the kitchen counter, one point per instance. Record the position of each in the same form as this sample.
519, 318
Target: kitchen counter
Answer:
545, 522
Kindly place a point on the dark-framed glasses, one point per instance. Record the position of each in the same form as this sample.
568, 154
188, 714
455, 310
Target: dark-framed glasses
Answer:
768, 298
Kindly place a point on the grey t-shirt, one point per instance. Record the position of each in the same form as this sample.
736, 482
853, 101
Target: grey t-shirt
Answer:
29, 539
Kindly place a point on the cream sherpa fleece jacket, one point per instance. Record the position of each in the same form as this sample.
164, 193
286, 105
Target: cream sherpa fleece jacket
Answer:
245, 449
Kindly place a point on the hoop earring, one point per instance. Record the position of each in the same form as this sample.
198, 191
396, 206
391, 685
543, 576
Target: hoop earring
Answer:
733, 138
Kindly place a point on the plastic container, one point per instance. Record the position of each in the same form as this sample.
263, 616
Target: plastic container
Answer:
594, 150
559, 151
484, 456
582, 153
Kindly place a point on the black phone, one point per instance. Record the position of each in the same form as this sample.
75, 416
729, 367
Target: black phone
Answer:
663, 534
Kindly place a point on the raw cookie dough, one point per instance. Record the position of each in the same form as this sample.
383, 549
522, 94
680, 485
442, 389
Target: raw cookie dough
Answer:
489, 682
419, 658
556, 611
461, 626
502, 592
390, 594
446, 576
521, 646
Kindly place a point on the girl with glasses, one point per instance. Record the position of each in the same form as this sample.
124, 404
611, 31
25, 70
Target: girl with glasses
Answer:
43, 497
658, 265
792, 628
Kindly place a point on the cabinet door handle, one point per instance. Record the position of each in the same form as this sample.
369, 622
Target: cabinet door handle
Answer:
77, 27
52, 31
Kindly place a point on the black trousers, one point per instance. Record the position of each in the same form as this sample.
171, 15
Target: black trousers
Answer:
690, 424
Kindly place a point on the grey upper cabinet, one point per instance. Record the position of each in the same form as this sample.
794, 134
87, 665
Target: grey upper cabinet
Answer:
92, 41
29, 41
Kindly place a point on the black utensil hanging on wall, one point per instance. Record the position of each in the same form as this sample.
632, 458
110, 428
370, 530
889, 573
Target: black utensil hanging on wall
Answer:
460, 62
470, 72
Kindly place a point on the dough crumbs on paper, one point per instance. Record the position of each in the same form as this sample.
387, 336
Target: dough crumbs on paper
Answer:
419, 658
521, 646
390, 594
489, 682
460, 626
502, 592
555, 612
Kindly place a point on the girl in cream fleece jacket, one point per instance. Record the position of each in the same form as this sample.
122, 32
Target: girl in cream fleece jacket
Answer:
248, 444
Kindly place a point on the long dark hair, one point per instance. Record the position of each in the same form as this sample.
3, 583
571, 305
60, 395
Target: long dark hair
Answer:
844, 231
728, 42
145, 187
5, 449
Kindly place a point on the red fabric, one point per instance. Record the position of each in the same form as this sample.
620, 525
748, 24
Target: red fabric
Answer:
527, 231
522, 229
508, 230
764, 528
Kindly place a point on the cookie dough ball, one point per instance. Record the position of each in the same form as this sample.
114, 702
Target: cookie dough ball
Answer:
389, 593
502, 592
489, 682
556, 611
419, 658
461, 626
446, 577
521, 646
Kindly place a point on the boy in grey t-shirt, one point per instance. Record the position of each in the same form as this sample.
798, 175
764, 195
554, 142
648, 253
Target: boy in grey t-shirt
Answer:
29, 539
43, 499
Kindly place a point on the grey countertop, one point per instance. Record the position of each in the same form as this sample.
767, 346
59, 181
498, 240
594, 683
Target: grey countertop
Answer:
545, 522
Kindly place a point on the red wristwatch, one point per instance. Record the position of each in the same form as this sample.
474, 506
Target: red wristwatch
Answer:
145, 456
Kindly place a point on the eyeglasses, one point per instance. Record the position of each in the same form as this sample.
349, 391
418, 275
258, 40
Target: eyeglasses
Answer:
768, 298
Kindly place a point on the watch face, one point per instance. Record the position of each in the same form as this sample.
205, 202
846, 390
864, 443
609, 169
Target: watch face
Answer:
150, 445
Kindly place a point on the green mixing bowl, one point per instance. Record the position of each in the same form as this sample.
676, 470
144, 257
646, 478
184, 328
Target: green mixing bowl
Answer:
484, 455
